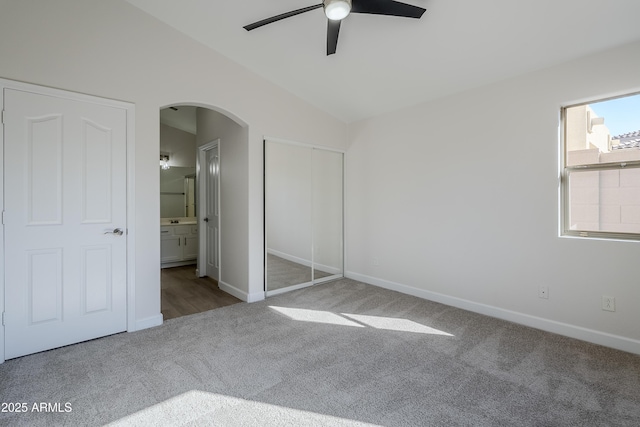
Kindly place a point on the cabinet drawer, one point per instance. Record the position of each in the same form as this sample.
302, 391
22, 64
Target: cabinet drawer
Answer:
181, 230
166, 231
194, 229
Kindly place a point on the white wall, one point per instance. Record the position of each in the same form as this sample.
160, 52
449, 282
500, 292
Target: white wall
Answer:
234, 213
458, 201
112, 49
179, 145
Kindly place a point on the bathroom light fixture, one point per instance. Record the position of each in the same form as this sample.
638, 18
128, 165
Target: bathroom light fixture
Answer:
337, 10
164, 162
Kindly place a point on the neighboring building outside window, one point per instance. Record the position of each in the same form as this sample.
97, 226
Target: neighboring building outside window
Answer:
600, 189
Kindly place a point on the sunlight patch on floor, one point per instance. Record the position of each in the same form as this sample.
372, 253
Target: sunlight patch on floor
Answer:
197, 407
395, 324
358, 320
315, 316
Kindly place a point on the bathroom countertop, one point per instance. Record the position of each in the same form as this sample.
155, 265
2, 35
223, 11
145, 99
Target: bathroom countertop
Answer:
181, 221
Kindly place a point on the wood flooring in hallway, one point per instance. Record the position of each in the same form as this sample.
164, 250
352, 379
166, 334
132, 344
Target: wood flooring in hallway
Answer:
183, 293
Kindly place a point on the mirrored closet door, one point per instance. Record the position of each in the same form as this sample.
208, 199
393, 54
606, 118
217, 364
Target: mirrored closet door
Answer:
303, 216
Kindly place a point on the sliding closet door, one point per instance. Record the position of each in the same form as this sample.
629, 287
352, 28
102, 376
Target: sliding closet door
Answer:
327, 214
287, 215
303, 216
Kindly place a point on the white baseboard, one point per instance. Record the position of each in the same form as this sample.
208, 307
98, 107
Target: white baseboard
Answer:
572, 331
288, 289
148, 322
244, 296
178, 264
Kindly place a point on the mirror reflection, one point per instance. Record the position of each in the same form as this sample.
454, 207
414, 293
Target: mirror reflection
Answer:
327, 213
177, 192
303, 216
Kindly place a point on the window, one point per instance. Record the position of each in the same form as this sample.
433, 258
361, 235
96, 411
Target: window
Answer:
600, 189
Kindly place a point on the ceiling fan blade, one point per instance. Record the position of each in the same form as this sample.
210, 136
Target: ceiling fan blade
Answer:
386, 7
281, 16
333, 29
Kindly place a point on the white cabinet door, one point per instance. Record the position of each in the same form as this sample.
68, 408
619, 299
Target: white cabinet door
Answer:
190, 246
171, 248
65, 175
178, 243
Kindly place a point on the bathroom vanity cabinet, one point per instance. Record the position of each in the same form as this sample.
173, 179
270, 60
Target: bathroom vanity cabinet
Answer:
178, 244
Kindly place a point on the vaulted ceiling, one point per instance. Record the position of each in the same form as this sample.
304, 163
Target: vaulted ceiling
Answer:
384, 63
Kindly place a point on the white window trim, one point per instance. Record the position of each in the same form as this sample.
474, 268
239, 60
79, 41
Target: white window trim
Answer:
565, 172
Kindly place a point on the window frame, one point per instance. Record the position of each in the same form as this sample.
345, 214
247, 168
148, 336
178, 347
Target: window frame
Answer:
565, 174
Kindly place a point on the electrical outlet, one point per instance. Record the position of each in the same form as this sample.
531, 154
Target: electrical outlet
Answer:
608, 303
543, 292
375, 261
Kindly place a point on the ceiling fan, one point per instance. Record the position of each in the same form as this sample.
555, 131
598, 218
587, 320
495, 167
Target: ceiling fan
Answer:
337, 10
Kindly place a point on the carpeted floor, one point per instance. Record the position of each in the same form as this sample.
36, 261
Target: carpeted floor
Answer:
340, 353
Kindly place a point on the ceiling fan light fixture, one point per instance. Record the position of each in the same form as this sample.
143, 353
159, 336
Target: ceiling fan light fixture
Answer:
337, 10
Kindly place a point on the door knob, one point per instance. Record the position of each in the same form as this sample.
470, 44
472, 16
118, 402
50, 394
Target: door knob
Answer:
206, 220
116, 231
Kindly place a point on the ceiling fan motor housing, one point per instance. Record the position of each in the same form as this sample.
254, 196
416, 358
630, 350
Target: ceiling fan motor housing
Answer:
337, 9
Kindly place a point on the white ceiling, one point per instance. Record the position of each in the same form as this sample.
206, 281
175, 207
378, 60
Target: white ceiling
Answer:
182, 117
384, 63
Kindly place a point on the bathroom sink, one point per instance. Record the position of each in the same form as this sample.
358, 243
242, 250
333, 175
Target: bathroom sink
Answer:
178, 221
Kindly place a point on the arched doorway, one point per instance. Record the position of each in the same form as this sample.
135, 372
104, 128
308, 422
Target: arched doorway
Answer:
187, 131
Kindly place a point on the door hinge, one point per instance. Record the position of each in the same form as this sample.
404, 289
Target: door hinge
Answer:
2, 217
3, 319
2, 117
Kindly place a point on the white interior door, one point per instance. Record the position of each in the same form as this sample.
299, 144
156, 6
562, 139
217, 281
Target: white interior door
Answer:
209, 211
65, 221
212, 220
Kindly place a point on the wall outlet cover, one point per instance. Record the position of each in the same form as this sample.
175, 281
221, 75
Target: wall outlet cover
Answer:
608, 303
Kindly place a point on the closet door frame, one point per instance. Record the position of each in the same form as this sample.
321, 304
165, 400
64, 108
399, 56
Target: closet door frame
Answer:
313, 281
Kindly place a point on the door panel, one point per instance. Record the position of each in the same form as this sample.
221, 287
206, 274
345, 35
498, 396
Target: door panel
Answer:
213, 212
96, 279
44, 286
96, 188
65, 271
43, 169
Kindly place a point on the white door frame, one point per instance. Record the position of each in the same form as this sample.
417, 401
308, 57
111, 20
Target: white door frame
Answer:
201, 159
130, 227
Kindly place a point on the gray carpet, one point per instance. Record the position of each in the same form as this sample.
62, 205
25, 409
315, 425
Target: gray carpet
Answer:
341, 353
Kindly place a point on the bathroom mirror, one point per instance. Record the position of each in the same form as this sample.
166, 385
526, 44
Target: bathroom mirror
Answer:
177, 192
303, 216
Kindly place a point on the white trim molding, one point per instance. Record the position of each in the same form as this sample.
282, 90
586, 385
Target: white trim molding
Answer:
149, 322
565, 329
244, 296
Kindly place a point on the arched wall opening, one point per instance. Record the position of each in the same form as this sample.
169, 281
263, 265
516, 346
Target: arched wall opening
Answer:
186, 126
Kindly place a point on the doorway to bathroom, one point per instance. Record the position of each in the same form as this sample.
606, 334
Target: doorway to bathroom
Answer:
184, 293
190, 212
